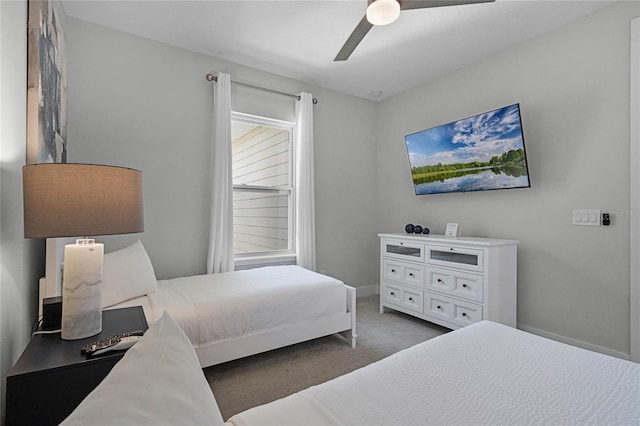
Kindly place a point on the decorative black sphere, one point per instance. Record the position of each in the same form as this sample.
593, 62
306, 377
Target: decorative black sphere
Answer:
417, 229
409, 228
425, 230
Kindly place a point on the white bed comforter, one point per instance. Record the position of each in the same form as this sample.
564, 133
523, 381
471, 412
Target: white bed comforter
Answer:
486, 373
218, 307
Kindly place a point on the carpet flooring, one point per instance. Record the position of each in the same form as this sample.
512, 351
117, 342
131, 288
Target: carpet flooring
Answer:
259, 379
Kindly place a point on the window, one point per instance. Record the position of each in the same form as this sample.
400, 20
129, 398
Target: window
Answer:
262, 170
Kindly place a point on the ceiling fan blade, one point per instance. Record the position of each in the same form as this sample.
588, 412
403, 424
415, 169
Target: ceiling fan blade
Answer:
354, 39
422, 4
364, 25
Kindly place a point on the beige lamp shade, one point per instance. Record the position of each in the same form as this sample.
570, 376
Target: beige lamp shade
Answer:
71, 200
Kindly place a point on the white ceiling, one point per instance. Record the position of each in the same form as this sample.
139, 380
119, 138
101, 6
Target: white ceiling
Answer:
300, 38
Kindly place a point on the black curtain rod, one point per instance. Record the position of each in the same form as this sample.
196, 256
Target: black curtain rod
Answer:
211, 77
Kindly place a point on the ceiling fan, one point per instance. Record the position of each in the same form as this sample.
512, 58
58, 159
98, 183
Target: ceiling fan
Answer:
383, 12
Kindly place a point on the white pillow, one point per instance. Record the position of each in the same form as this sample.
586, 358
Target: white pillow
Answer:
159, 381
126, 274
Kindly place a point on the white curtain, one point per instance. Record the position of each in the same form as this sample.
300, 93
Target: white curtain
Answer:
220, 257
305, 192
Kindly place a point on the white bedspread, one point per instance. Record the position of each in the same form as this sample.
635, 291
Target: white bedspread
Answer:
218, 307
486, 373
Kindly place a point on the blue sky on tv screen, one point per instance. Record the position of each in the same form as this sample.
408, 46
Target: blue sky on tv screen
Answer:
476, 138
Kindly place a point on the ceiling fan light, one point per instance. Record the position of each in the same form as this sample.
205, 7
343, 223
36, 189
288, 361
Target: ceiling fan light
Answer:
383, 12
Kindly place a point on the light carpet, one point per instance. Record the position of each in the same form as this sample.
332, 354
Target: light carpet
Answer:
241, 384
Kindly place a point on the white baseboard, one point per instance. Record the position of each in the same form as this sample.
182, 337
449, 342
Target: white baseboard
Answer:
367, 290
574, 342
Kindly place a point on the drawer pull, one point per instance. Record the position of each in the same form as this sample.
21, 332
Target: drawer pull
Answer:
438, 307
464, 314
411, 274
393, 270
439, 280
392, 293
411, 299
464, 285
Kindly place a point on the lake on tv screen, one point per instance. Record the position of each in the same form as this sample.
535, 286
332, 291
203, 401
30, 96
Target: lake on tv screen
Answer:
485, 180
478, 153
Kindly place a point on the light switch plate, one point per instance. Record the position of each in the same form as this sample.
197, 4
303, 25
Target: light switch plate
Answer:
587, 217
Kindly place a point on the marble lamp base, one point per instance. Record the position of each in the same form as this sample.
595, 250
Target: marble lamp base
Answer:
82, 289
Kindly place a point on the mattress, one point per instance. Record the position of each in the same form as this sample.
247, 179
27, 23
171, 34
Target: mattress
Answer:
219, 307
486, 373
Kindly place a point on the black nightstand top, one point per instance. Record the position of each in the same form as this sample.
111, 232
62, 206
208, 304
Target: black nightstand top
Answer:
49, 351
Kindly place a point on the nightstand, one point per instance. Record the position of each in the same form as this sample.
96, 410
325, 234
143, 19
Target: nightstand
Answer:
52, 376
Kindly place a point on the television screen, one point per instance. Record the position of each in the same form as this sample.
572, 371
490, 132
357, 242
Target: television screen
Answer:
478, 153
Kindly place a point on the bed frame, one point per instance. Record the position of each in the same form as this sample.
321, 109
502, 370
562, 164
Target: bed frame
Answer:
342, 323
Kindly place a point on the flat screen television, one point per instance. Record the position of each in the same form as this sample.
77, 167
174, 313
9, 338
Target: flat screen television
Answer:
479, 153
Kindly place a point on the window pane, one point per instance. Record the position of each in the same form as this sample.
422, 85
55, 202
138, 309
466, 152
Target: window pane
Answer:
260, 221
260, 155
262, 209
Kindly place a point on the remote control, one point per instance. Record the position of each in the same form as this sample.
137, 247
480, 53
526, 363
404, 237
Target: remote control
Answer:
123, 343
114, 343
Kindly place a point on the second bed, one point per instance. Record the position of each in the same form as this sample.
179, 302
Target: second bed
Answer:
236, 314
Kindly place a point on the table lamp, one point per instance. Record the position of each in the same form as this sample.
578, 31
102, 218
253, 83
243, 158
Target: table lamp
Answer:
80, 200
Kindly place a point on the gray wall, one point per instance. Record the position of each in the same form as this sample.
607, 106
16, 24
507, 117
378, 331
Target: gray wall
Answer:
573, 89
22, 261
137, 103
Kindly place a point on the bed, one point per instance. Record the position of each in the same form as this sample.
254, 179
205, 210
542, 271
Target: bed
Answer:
485, 373
235, 314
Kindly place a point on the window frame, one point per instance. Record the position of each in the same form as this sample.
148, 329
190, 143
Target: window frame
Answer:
273, 257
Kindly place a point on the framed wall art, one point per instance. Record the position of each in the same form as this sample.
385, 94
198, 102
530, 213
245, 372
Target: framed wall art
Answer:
46, 85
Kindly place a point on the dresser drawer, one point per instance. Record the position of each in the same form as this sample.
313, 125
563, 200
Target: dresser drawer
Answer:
405, 273
391, 293
414, 300
452, 310
410, 251
456, 257
456, 283
406, 297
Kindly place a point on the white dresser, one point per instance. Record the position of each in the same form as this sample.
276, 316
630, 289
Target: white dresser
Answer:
451, 281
